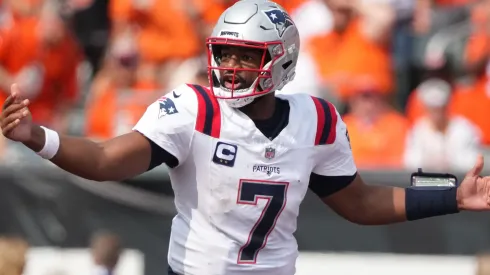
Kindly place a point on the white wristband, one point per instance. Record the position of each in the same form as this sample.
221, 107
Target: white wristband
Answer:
51, 144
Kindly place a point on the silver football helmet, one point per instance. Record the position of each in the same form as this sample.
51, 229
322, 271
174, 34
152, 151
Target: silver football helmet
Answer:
257, 24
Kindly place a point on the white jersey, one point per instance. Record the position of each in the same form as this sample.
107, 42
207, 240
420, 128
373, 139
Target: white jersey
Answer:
237, 192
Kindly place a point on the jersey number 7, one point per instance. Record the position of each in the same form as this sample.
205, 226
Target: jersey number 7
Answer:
249, 192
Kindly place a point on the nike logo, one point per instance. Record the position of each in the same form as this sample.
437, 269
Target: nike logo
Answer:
175, 95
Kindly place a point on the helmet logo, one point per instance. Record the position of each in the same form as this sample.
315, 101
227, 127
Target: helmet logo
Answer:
229, 33
280, 19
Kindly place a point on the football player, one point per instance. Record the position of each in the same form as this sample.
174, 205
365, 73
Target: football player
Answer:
242, 159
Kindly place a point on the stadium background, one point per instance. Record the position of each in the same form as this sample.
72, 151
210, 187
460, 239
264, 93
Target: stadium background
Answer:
410, 77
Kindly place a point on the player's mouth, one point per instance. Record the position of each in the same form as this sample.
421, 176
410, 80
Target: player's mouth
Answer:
232, 83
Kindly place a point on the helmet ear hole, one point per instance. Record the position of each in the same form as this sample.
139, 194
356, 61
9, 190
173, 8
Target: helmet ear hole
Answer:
263, 83
287, 64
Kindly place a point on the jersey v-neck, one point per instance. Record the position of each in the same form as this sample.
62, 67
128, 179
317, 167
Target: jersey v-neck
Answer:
273, 126
270, 128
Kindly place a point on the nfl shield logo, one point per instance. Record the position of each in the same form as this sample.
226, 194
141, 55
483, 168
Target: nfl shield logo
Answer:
270, 152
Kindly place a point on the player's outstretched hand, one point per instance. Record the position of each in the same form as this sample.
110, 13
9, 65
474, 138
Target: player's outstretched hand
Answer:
16, 120
474, 191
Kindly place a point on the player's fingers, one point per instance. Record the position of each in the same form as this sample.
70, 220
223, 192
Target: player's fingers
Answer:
9, 110
8, 120
14, 90
6, 130
14, 108
13, 97
477, 169
7, 102
12, 117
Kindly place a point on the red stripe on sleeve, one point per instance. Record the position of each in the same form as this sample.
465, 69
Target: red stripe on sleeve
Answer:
333, 126
201, 110
320, 124
216, 128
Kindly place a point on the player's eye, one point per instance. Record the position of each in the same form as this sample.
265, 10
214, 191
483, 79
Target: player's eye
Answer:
247, 58
225, 56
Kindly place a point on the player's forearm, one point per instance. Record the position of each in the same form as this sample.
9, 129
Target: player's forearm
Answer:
382, 205
374, 205
78, 156
386, 205
116, 159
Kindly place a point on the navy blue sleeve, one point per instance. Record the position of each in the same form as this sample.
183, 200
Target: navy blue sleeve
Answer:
160, 155
324, 186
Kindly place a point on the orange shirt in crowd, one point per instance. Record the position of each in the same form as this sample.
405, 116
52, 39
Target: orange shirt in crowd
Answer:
415, 108
475, 106
106, 111
21, 46
211, 10
165, 29
471, 101
350, 62
379, 145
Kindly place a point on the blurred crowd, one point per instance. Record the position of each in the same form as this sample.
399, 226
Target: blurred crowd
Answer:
105, 249
411, 78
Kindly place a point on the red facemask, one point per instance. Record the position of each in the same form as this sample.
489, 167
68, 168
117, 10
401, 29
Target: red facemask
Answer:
263, 84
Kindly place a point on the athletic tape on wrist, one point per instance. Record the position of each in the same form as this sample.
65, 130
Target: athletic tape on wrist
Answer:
425, 203
51, 144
